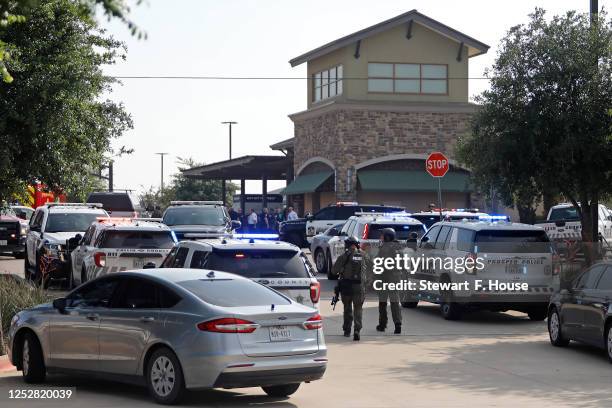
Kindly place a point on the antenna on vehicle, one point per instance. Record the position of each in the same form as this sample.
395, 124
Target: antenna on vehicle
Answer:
210, 274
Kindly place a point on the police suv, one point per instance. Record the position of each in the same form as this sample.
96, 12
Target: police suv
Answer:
279, 265
119, 244
367, 227
186, 218
52, 229
493, 265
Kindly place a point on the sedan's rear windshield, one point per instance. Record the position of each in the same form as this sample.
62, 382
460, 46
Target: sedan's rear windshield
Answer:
112, 202
402, 231
70, 221
567, 213
137, 239
257, 263
233, 292
509, 241
209, 215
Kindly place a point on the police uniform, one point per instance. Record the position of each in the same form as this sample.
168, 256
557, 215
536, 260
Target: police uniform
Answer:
350, 267
389, 249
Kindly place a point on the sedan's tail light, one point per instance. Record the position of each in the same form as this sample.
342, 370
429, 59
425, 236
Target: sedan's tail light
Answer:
314, 323
315, 292
228, 325
100, 259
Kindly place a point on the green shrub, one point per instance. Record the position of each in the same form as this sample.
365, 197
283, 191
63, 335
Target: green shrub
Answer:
16, 295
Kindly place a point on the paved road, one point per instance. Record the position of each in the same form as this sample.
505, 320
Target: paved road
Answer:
500, 359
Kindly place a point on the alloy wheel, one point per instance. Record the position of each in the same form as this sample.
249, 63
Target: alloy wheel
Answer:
554, 328
163, 376
25, 357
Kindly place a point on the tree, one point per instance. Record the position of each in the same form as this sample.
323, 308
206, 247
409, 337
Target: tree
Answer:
544, 125
182, 188
17, 11
53, 125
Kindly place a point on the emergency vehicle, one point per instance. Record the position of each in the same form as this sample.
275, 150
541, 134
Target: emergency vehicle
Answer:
118, 244
432, 216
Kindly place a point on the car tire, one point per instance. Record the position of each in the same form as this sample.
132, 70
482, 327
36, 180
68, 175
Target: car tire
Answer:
537, 315
284, 390
83, 275
608, 341
555, 333
38, 280
164, 377
19, 255
321, 261
449, 309
410, 305
26, 268
32, 361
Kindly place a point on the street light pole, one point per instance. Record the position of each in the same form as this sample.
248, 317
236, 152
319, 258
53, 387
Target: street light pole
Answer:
223, 187
161, 155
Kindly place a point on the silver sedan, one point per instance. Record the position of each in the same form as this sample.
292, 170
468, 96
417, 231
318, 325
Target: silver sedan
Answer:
171, 330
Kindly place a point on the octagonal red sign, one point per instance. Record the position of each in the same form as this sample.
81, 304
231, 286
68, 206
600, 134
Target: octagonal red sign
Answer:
437, 164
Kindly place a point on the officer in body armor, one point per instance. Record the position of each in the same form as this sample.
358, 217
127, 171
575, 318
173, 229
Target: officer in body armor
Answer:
390, 247
350, 267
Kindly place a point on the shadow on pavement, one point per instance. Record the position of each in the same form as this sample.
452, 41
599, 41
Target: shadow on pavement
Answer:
119, 394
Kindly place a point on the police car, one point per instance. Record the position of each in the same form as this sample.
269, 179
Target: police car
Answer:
367, 227
487, 264
118, 244
279, 265
186, 218
429, 218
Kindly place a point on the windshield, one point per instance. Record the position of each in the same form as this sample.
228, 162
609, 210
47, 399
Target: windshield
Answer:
567, 213
512, 241
428, 220
258, 263
209, 215
402, 231
70, 222
233, 292
138, 239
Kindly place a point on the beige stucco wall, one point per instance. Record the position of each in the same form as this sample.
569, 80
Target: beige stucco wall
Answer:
425, 47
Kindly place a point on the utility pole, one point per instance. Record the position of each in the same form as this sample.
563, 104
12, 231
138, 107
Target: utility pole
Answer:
161, 155
110, 176
595, 202
223, 186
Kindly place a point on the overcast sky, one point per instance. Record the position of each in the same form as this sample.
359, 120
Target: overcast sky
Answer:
257, 38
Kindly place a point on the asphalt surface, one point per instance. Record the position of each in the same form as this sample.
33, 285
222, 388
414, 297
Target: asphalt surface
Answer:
487, 359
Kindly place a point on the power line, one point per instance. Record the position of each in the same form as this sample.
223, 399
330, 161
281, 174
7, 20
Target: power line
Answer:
247, 78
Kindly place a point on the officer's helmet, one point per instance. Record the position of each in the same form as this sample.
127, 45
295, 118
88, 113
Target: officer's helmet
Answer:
388, 234
350, 241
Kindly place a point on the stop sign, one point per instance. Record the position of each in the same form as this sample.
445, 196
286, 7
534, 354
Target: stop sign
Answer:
436, 164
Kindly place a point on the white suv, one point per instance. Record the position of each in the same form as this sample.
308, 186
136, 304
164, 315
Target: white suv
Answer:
511, 268
52, 229
279, 265
119, 244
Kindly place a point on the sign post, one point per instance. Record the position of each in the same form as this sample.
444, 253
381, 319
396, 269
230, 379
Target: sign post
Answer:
437, 166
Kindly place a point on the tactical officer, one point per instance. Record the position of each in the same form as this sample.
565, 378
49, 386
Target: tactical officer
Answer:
389, 249
350, 267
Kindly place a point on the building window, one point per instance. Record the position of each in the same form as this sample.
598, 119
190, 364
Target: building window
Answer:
408, 78
327, 84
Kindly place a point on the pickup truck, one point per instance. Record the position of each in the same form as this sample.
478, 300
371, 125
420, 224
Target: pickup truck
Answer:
563, 224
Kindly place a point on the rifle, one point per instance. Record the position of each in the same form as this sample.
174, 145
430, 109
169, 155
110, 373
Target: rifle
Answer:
336, 297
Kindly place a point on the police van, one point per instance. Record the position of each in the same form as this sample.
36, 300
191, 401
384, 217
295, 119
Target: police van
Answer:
367, 227
119, 244
492, 265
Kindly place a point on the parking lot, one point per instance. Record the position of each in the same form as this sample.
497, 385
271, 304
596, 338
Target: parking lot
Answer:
501, 357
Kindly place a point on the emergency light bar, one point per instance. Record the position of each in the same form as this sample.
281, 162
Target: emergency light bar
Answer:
203, 235
494, 218
256, 236
86, 205
385, 214
196, 202
159, 220
347, 203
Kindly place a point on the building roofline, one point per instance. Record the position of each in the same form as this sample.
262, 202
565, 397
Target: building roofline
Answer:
412, 15
283, 144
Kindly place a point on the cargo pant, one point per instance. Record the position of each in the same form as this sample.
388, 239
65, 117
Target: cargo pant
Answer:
353, 308
396, 312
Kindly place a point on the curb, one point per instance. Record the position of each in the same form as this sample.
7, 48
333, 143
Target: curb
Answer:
5, 364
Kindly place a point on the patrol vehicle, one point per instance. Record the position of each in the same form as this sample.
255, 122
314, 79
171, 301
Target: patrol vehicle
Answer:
300, 232
429, 218
367, 227
118, 244
279, 265
52, 231
186, 218
493, 265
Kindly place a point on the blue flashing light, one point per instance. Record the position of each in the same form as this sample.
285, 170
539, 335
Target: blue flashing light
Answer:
494, 218
256, 236
174, 238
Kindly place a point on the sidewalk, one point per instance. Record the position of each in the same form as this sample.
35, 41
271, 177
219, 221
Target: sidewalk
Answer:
5, 365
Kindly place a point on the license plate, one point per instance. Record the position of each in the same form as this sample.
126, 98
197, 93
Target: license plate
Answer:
138, 263
4, 242
514, 269
280, 333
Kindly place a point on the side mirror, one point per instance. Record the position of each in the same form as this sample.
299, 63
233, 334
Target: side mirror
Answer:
424, 239
565, 292
149, 265
236, 224
342, 234
22, 216
309, 217
60, 304
333, 232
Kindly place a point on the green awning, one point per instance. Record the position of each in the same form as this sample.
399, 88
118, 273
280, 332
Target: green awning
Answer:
398, 181
307, 183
